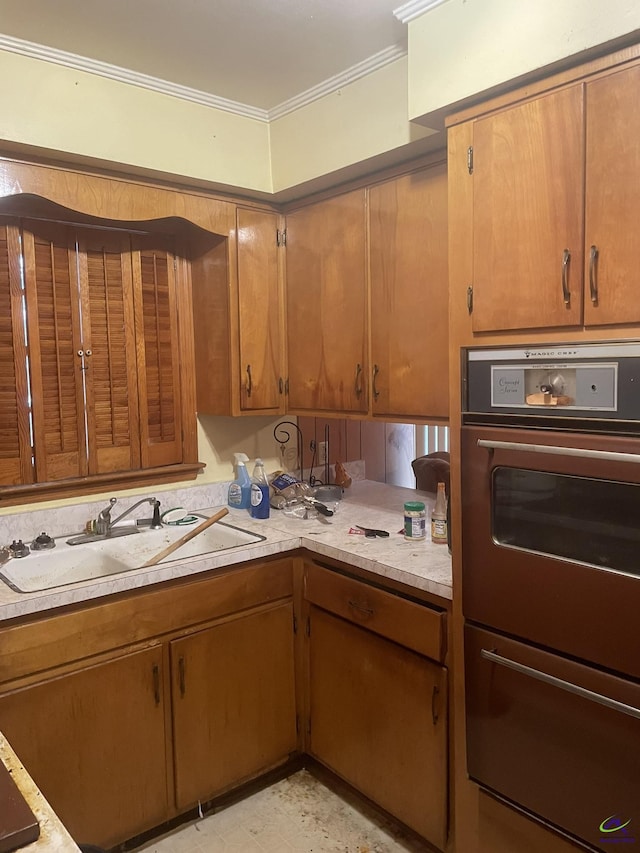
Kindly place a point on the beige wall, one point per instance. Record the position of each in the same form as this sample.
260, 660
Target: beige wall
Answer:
365, 119
456, 50
82, 114
218, 439
463, 47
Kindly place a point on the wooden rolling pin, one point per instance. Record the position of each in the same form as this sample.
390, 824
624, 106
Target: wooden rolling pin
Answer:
187, 536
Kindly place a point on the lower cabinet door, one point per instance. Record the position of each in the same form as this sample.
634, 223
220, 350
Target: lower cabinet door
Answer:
379, 720
233, 702
94, 743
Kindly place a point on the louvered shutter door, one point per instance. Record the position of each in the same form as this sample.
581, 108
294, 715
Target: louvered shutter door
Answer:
51, 280
157, 341
106, 289
15, 444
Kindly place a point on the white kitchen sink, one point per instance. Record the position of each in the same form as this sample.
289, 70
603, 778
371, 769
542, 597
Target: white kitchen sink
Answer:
68, 564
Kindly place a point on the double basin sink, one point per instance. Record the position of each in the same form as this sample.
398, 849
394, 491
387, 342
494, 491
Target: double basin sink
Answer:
68, 564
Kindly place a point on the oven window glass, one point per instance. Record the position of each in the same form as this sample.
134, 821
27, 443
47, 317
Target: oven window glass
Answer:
576, 518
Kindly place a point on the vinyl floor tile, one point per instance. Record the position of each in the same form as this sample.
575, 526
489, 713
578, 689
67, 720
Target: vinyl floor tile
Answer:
296, 815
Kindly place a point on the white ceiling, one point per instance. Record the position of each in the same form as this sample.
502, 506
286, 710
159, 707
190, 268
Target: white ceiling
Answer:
260, 53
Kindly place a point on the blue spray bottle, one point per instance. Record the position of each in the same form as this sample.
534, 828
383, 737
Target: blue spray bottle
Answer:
240, 490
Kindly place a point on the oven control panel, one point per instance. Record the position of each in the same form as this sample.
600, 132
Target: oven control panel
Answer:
582, 386
599, 381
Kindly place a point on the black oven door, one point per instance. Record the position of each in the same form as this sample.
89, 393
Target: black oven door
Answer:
551, 540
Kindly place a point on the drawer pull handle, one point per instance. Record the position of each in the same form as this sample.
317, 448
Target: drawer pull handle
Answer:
568, 686
376, 371
566, 293
434, 704
357, 387
181, 675
593, 274
361, 608
156, 683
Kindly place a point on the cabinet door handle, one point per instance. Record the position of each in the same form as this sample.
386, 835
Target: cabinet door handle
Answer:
568, 686
358, 382
249, 385
280, 386
434, 704
593, 274
566, 293
181, 675
156, 683
361, 608
376, 371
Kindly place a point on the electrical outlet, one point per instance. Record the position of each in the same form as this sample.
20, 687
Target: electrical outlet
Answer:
322, 452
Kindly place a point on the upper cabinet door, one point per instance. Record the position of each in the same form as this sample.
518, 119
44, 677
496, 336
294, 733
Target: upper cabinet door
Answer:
613, 199
156, 320
259, 311
528, 201
106, 292
327, 305
409, 295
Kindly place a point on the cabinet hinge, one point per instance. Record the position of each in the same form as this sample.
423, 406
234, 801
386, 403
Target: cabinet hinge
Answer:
470, 298
295, 624
470, 159
281, 237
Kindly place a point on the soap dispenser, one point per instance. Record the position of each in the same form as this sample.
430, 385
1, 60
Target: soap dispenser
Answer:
239, 496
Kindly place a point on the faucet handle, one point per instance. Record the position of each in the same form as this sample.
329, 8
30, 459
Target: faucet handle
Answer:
156, 521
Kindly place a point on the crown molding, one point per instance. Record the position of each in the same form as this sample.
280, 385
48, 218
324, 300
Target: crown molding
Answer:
165, 87
333, 84
414, 8
124, 75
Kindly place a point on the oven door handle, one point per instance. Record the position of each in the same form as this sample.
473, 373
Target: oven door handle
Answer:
568, 686
607, 455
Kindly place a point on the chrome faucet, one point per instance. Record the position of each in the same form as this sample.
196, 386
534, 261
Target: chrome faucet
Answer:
104, 528
155, 523
103, 521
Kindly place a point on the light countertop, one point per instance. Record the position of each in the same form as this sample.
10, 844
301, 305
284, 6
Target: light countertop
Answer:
421, 565
54, 838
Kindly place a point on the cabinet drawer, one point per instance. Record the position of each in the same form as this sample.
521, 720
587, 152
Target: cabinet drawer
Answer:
415, 626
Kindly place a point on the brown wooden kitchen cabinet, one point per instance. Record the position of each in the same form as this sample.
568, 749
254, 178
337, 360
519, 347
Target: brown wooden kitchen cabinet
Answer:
94, 742
238, 316
377, 703
409, 295
234, 708
327, 306
612, 199
553, 198
260, 311
91, 699
528, 205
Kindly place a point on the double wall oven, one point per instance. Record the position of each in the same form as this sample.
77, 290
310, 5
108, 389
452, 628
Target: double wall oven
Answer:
551, 584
